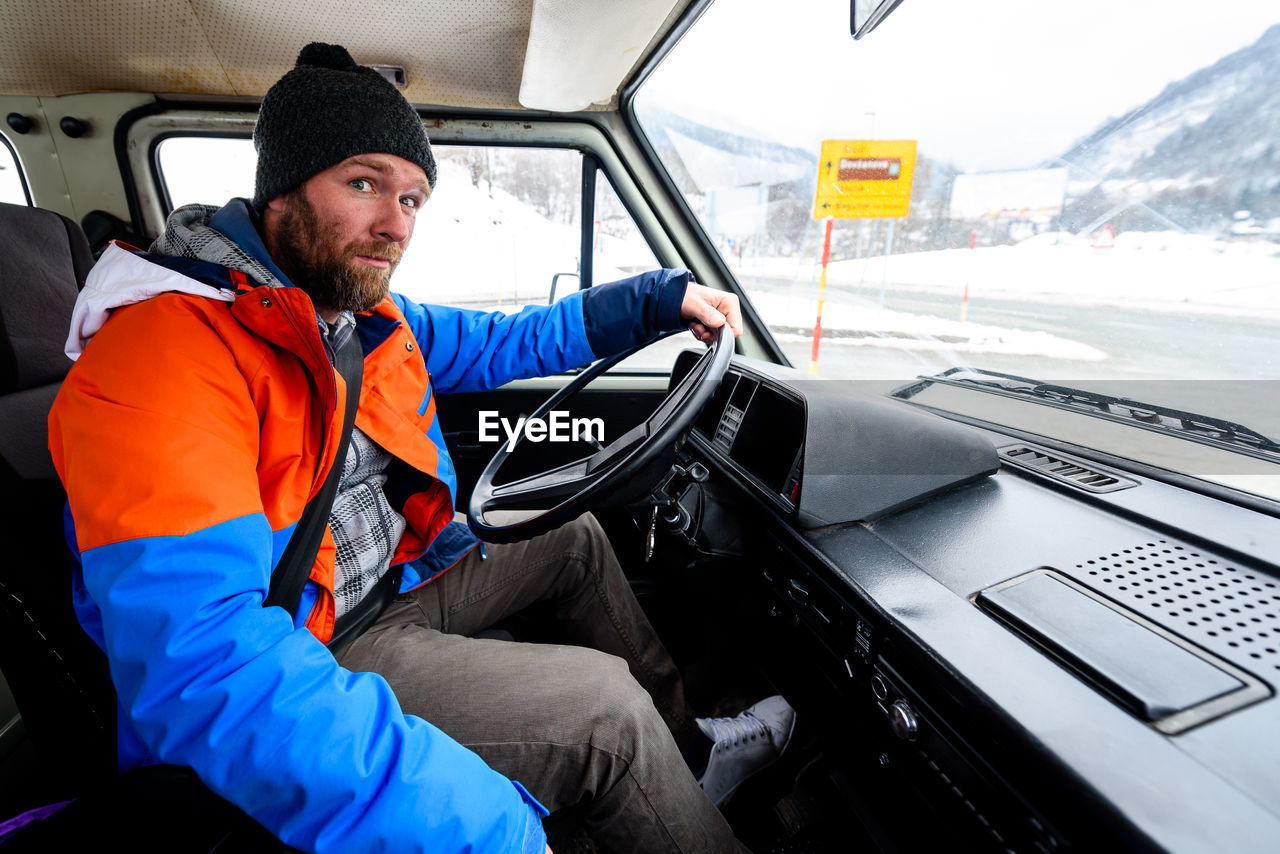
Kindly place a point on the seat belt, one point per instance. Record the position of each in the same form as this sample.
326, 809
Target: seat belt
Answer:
291, 573
352, 624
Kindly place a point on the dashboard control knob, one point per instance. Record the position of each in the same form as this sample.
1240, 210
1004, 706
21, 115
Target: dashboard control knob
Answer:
903, 722
880, 688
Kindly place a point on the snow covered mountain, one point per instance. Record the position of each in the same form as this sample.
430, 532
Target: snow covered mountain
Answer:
1203, 149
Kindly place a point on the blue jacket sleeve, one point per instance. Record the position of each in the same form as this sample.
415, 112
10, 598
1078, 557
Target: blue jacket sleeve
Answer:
632, 311
475, 351
321, 756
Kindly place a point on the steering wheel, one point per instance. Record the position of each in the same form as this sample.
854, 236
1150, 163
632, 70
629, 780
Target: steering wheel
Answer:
618, 472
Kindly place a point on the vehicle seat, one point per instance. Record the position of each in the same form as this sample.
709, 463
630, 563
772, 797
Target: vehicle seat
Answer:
58, 676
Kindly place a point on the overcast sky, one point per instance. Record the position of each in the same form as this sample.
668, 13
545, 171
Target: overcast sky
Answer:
994, 84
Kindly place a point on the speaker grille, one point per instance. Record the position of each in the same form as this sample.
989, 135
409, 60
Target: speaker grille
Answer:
1229, 610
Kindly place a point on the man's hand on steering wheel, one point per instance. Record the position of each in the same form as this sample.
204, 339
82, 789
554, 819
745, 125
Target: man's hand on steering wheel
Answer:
706, 310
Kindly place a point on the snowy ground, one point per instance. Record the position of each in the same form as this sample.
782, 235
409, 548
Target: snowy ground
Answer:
481, 249
861, 324
1164, 271
1149, 271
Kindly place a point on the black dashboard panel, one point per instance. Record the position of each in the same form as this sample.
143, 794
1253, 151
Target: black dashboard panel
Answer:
830, 453
761, 429
769, 438
1040, 728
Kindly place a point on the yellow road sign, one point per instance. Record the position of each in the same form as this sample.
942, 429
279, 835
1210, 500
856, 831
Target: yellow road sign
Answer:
865, 178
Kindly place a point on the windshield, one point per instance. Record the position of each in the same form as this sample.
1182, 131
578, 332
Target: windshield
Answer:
1090, 196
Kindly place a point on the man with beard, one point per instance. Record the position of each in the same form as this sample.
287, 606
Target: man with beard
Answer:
201, 418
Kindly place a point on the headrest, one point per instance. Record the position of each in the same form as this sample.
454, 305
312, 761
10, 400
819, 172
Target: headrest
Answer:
44, 258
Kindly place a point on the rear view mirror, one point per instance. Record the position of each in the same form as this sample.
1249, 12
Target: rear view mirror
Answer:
866, 15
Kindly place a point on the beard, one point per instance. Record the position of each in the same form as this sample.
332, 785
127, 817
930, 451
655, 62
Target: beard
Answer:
308, 254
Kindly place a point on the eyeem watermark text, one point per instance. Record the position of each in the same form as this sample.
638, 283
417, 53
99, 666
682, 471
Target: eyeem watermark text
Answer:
556, 427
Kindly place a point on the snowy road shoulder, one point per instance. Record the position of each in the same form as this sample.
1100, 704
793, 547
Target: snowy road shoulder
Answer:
857, 325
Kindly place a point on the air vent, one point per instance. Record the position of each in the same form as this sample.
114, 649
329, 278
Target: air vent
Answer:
1063, 469
1229, 610
727, 429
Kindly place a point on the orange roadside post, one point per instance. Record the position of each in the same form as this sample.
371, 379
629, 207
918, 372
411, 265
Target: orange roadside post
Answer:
964, 301
822, 295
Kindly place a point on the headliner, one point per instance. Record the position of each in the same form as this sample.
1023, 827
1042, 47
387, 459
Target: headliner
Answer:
461, 53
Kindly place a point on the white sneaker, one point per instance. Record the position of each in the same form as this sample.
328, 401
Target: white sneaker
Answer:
744, 745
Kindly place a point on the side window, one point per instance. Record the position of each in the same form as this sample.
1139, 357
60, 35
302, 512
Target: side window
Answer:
618, 247
502, 225
12, 188
206, 170
503, 228
620, 250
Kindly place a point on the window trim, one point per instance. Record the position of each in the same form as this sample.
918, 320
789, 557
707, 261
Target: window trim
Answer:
587, 253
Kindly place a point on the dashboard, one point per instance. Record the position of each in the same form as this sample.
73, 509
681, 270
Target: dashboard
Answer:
759, 428
1020, 644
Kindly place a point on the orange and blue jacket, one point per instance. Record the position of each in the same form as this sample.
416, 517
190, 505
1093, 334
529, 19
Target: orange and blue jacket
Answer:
190, 435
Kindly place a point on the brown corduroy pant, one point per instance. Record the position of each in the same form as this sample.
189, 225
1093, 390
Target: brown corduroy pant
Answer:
593, 724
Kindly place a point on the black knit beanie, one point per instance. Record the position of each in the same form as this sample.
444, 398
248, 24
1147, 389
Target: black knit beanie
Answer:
325, 110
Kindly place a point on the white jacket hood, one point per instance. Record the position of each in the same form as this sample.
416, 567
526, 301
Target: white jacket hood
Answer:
121, 278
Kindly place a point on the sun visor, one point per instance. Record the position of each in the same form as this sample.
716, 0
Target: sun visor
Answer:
580, 51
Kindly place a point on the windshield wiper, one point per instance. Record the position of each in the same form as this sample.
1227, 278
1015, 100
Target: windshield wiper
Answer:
1150, 416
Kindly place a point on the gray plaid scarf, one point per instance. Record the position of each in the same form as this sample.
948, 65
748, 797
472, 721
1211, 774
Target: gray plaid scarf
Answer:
187, 235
